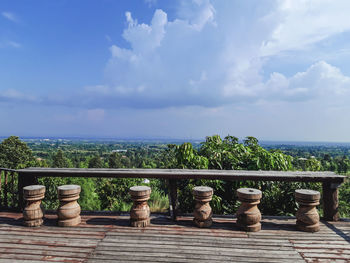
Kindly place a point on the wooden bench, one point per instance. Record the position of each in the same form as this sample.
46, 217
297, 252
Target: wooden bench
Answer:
330, 181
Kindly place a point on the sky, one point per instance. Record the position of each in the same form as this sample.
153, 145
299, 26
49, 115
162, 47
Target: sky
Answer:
272, 69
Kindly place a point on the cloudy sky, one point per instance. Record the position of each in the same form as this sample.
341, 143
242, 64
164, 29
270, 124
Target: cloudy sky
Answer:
276, 70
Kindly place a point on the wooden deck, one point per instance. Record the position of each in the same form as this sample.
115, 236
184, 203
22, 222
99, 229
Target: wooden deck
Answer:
108, 238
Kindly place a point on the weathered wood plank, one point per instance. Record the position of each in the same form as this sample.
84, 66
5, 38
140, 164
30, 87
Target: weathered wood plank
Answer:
47, 234
65, 248
342, 251
177, 233
326, 256
320, 242
318, 245
194, 239
190, 230
141, 259
51, 253
21, 261
198, 255
111, 240
48, 241
23, 257
168, 237
141, 236
208, 243
53, 230
318, 260
182, 248
186, 174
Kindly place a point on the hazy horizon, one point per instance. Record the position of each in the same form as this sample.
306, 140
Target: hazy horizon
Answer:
169, 139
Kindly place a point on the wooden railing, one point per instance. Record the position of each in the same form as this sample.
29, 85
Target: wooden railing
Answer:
330, 181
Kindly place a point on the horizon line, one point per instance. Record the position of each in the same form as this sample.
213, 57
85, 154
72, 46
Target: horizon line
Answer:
72, 137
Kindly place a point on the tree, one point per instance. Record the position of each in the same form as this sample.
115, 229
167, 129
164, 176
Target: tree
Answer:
60, 161
187, 157
15, 154
114, 161
95, 162
224, 154
229, 154
343, 164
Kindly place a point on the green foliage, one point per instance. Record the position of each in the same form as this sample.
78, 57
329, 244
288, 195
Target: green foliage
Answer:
159, 201
114, 193
95, 162
187, 157
15, 154
228, 154
344, 200
114, 161
89, 198
60, 161
343, 164
51, 183
312, 164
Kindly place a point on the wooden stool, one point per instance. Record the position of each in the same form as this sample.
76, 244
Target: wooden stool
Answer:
69, 210
202, 212
248, 214
140, 212
307, 216
33, 212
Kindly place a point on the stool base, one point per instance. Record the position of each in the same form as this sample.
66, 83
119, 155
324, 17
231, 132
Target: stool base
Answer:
203, 224
140, 223
33, 223
70, 222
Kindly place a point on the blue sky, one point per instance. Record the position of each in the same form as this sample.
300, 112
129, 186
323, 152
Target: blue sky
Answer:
276, 70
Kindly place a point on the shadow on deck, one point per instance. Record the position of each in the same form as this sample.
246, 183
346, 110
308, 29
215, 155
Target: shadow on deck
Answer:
107, 237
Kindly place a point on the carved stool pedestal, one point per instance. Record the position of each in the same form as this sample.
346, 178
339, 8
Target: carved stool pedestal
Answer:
307, 215
140, 212
248, 214
33, 213
202, 212
69, 210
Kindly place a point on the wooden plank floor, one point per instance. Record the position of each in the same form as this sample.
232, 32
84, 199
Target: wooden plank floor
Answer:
108, 238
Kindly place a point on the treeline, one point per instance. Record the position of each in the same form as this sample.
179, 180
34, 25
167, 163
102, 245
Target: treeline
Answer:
214, 153
219, 153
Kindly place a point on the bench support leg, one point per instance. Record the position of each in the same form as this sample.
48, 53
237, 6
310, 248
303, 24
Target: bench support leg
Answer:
173, 199
22, 182
330, 201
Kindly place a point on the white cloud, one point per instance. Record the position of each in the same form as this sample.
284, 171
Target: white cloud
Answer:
10, 16
303, 23
142, 37
319, 81
197, 13
168, 59
205, 72
214, 53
